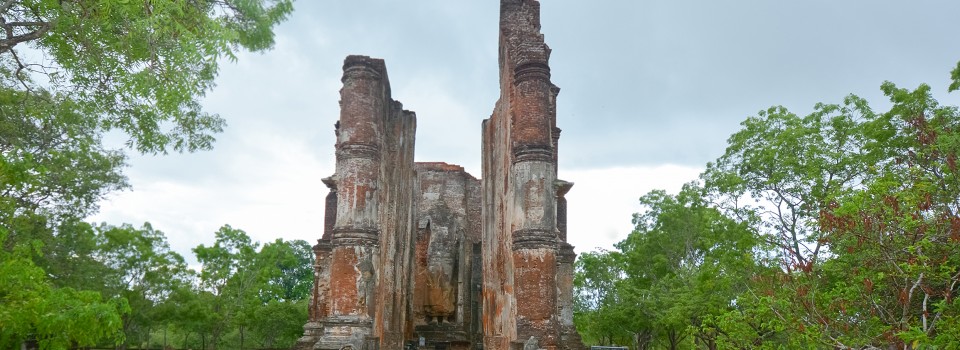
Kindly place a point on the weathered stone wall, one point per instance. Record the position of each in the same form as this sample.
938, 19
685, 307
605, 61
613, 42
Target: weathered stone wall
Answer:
424, 253
319, 300
363, 260
521, 234
397, 192
499, 303
356, 234
447, 216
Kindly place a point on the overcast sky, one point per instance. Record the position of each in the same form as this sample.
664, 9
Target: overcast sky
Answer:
650, 91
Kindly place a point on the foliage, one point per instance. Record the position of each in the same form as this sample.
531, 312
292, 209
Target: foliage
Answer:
278, 324
853, 223
139, 67
32, 309
246, 284
597, 305
286, 270
228, 273
782, 169
70, 72
898, 238
51, 158
861, 208
121, 285
690, 259
683, 266
140, 268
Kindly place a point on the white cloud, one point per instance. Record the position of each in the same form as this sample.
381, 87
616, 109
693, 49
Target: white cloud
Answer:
602, 201
272, 193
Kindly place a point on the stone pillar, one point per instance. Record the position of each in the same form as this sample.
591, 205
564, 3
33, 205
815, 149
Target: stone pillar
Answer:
565, 260
330, 208
320, 296
569, 338
319, 302
562, 187
322, 251
355, 240
556, 136
533, 174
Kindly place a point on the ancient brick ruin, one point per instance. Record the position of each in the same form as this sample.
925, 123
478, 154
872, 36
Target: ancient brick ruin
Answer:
425, 255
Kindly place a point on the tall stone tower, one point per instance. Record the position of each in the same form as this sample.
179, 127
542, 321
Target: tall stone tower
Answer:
426, 256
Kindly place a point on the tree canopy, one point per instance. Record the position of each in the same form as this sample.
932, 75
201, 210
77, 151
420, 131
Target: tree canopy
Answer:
70, 72
140, 67
838, 229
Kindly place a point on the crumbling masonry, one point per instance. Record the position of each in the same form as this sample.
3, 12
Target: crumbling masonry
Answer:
424, 255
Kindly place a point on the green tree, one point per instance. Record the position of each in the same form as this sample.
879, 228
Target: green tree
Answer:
286, 282
858, 211
230, 274
67, 253
143, 270
783, 169
135, 66
52, 163
598, 309
254, 296
672, 279
278, 324
72, 70
897, 238
689, 262
87, 67
32, 309
286, 268
190, 317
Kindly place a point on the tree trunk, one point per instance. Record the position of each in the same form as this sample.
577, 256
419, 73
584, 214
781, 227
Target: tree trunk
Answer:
674, 339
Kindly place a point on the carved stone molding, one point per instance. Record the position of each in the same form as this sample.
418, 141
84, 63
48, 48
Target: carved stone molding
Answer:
531, 71
349, 150
347, 321
562, 187
532, 153
353, 236
330, 182
323, 245
534, 239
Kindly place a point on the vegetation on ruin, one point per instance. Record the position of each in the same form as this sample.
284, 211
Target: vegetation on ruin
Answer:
70, 72
838, 229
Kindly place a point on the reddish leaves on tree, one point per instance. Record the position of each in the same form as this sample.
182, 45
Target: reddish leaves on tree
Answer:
925, 134
955, 228
893, 203
903, 298
926, 203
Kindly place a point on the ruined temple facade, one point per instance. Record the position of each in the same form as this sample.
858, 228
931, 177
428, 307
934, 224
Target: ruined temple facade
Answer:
425, 255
